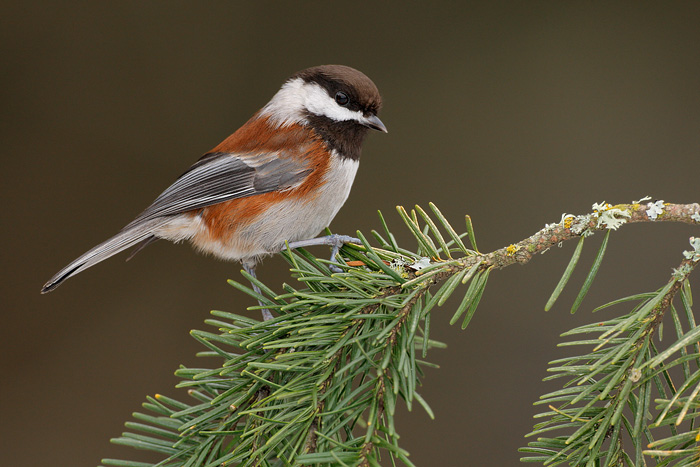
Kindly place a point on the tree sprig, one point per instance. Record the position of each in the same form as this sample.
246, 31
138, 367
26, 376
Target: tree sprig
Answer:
320, 383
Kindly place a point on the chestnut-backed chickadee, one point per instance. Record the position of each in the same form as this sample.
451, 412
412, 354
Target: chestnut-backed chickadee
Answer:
282, 176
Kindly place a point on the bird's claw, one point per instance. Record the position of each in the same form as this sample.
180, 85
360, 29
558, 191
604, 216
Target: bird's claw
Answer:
335, 241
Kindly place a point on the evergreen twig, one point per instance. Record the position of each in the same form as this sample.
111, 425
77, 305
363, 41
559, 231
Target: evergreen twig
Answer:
319, 384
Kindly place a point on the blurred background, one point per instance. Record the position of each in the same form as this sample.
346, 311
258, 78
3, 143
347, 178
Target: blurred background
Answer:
512, 112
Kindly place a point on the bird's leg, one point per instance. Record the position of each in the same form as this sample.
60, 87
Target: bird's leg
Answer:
335, 241
250, 269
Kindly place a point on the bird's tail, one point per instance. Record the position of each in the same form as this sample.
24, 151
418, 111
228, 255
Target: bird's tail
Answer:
130, 236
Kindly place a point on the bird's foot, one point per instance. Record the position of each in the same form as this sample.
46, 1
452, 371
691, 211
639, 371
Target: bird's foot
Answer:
251, 270
335, 241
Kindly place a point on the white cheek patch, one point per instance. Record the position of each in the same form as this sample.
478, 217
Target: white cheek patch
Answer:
320, 103
286, 107
296, 97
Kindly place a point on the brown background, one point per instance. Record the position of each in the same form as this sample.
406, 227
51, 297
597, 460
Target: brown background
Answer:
512, 112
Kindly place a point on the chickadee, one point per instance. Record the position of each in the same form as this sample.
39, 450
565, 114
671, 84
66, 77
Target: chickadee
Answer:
282, 176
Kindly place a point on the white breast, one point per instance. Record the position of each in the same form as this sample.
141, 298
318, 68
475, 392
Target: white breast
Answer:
296, 219
290, 220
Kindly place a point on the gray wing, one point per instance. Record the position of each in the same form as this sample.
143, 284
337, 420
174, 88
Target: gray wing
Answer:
215, 178
219, 177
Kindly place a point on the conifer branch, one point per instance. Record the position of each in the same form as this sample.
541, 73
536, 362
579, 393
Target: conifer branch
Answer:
319, 384
603, 218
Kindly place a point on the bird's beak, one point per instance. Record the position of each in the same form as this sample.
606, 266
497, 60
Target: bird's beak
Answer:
374, 123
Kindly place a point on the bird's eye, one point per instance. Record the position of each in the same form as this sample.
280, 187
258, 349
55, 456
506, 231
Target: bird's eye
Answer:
341, 98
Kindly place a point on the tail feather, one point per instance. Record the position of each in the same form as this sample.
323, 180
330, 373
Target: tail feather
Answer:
141, 245
128, 237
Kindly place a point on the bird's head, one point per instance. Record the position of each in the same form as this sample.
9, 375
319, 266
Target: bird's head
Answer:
327, 97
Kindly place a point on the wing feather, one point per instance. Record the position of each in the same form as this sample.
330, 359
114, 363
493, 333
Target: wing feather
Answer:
219, 177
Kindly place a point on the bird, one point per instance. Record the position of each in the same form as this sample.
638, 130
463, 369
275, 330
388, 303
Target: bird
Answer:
279, 179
